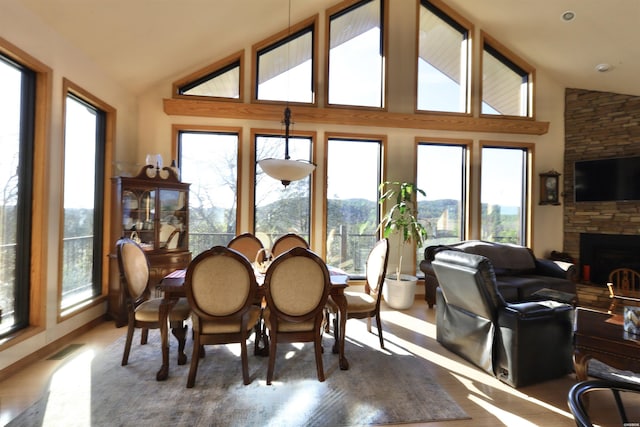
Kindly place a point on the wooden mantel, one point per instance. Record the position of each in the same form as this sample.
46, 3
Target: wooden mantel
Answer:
354, 117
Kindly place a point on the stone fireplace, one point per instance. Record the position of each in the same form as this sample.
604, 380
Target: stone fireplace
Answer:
602, 235
602, 253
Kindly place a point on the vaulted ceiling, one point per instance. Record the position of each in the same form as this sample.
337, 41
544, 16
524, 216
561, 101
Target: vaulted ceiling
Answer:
142, 42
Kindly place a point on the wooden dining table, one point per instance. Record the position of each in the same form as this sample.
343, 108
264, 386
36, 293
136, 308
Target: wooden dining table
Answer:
173, 288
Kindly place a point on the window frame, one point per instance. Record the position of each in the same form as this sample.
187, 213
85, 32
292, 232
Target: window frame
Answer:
282, 37
381, 140
178, 130
101, 239
465, 192
509, 60
35, 274
211, 71
253, 161
454, 19
339, 10
527, 196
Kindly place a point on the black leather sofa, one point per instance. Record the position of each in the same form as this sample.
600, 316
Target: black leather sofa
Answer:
520, 344
519, 274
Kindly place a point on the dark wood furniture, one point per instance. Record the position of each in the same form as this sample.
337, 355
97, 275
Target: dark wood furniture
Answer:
600, 335
152, 209
173, 287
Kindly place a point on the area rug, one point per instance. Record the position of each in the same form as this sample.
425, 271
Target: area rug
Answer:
381, 387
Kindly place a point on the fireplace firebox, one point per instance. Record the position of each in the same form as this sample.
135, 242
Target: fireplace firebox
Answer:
602, 253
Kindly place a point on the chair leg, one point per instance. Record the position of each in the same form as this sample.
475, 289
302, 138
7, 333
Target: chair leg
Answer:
318, 350
127, 344
191, 379
336, 334
245, 361
379, 325
144, 336
272, 357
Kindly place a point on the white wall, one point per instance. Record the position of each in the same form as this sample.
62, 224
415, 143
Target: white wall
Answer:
155, 125
27, 32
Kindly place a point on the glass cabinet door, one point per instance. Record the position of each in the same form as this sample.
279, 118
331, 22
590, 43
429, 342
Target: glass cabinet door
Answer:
172, 216
138, 215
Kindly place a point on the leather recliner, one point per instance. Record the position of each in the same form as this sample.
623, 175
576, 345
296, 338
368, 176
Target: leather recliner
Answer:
520, 344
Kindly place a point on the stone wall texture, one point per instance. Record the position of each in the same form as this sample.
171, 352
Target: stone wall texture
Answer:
598, 125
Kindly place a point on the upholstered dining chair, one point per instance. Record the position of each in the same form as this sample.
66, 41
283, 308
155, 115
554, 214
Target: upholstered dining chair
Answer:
221, 289
297, 288
249, 246
365, 305
144, 312
286, 242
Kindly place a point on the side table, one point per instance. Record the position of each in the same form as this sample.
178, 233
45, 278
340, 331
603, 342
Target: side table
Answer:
600, 335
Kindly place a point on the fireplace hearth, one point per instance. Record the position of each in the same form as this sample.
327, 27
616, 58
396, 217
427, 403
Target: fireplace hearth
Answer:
602, 253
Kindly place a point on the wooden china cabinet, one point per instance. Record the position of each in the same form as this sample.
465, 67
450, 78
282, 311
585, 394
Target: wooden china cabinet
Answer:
151, 208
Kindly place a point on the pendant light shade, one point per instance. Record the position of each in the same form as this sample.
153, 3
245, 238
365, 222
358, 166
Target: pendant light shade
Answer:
286, 170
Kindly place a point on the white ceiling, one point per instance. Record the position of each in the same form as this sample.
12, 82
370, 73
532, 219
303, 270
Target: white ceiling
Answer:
142, 42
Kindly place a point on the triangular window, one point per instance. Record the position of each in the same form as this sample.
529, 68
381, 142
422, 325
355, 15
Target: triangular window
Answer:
220, 80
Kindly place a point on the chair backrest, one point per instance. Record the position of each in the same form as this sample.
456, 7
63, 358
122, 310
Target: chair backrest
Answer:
287, 242
134, 268
579, 405
468, 282
376, 268
249, 246
625, 279
220, 282
297, 285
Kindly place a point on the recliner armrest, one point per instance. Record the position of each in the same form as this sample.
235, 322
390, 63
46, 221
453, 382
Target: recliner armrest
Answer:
535, 309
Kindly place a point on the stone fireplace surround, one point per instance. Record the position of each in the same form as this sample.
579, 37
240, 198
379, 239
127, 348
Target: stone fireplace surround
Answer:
600, 125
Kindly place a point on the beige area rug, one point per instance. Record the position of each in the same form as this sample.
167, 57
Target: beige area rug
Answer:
381, 387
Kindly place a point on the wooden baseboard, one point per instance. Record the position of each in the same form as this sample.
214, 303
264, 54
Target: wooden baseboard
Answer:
48, 349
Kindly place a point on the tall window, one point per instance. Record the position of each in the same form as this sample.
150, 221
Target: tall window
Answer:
279, 209
17, 85
84, 148
442, 174
352, 202
209, 161
443, 62
503, 195
506, 86
285, 69
356, 55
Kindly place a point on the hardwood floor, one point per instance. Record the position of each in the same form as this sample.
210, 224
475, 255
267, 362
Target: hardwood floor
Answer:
485, 399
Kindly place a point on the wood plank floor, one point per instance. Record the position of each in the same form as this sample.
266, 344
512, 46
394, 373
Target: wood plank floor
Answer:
486, 400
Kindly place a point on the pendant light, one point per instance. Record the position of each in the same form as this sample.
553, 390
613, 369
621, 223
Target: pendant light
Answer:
287, 170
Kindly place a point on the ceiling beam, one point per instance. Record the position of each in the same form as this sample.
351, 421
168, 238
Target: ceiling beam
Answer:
354, 117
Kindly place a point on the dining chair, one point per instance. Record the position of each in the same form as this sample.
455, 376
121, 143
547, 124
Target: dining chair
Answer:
143, 312
365, 305
297, 288
287, 242
249, 246
625, 279
583, 394
221, 289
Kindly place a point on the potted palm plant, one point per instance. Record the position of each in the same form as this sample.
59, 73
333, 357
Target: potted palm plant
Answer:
401, 219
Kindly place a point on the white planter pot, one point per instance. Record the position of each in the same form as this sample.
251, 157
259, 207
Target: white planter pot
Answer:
400, 294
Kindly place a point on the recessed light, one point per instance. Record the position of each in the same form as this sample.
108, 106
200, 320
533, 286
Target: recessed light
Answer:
603, 68
568, 15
